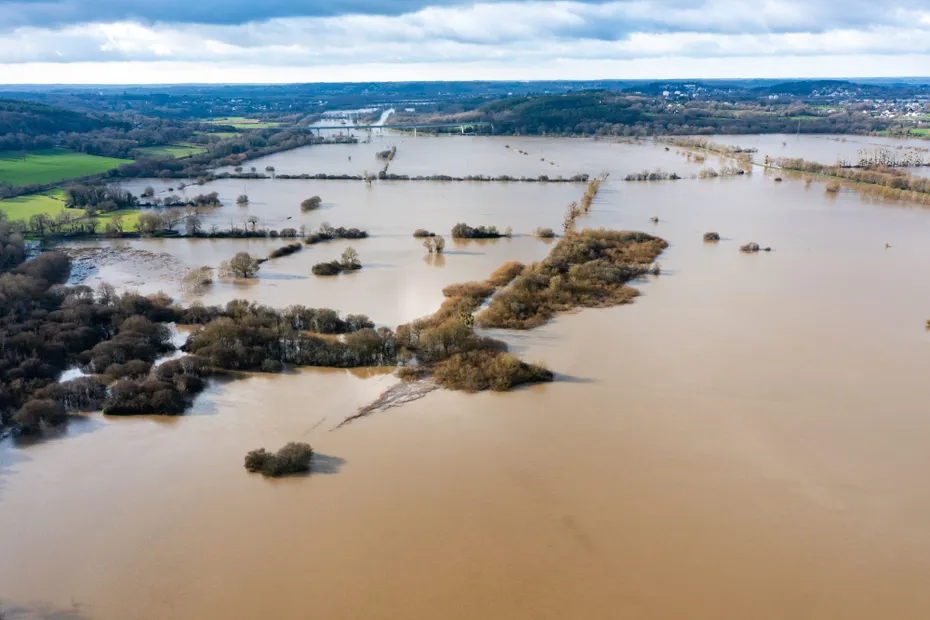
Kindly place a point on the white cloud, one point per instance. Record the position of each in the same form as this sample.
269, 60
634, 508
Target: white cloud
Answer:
497, 38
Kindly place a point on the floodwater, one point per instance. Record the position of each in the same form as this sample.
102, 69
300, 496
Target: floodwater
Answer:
747, 440
476, 155
828, 148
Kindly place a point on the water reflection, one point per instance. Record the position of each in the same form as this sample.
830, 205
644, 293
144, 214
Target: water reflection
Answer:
435, 260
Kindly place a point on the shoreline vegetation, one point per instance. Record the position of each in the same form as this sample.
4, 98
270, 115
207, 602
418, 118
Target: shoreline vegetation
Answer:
293, 458
503, 178
116, 340
886, 182
589, 269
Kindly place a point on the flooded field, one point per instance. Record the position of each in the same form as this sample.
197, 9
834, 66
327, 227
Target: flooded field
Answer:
827, 148
476, 155
746, 440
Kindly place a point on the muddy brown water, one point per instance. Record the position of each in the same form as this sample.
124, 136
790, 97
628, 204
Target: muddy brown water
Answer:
747, 440
828, 148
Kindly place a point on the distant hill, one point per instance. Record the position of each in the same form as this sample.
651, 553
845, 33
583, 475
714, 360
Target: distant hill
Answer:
559, 113
806, 87
35, 119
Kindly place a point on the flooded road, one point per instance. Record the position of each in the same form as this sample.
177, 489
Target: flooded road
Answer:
746, 440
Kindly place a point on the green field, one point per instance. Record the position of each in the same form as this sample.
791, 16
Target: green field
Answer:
223, 135
923, 131
130, 217
174, 150
51, 166
51, 203
805, 117
240, 122
24, 207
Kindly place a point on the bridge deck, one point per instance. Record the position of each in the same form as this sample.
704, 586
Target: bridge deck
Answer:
411, 126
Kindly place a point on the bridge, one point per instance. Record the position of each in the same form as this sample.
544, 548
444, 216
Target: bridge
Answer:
414, 126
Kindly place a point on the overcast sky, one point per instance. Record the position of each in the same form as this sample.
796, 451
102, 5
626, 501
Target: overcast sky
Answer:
173, 41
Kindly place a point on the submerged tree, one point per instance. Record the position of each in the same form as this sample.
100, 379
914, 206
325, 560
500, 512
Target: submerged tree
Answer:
242, 265
310, 204
197, 278
350, 259
193, 225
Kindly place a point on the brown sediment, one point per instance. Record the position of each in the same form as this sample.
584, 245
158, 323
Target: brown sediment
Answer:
395, 396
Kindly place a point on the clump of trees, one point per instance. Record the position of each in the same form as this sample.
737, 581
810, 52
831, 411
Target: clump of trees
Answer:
242, 265
293, 458
47, 328
484, 369
349, 262
446, 344
588, 269
464, 231
327, 233
242, 199
169, 390
99, 198
434, 243
253, 337
12, 247
882, 181
37, 413
591, 191
197, 278
568, 224
286, 250
657, 175
752, 247
711, 236
311, 204
386, 155
703, 144
544, 233
420, 233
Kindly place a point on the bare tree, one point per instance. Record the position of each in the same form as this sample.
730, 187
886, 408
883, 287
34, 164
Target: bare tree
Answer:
242, 265
350, 259
193, 225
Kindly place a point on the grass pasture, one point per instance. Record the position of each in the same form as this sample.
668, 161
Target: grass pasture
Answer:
24, 207
176, 151
51, 166
240, 122
129, 216
52, 203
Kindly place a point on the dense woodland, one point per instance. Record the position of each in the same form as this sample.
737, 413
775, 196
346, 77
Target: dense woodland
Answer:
47, 328
624, 114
